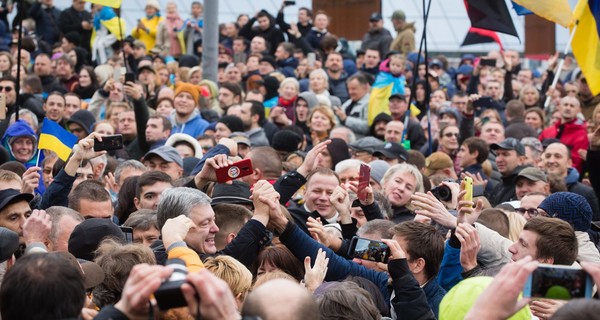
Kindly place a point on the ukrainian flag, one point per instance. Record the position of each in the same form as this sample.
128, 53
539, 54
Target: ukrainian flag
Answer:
385, 85
557, 11
586, 41
108, 3
54, 137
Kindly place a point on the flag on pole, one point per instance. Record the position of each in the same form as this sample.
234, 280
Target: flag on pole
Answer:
54, 137
586, 18
108, 3
490, 15
557, 11
477, 36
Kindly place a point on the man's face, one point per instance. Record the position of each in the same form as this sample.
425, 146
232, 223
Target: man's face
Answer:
318, 190
350, 175
184, 103
145, 237
116, 94
150, 195
460, 103
507, 161
356, 90
393, 131
380, 128
264, 23
61, 243
77, 130
525, 186
83, 173
13, 217
63, 69
55, 107
47, 176
569, 108
531, 202
129, 172
202, 237
465, 157
281, 54
78, 5
525, 77
8, 87
513, 56
159, 164
492, 132
246, 115
226, 98
22, 149
398, 107
127, 123
96, 209
43, 66
239, 46
334, 63
154, 130
371, 58
146, 77
556, 159
492, 89
525, 246
264, 68
197, 10
258, 45
72, 105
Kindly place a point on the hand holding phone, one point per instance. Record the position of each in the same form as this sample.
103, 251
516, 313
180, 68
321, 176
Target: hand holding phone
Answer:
129, 77
235, 171
467, 185
371, 250
558, 282
114, 142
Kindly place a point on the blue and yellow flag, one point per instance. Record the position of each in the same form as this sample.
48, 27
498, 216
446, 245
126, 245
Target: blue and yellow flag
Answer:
384, 87
557, 11
586, 40
108, 3
54, 137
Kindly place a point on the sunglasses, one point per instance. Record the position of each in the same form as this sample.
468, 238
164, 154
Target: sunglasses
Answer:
7, 89
533, 212
451, 134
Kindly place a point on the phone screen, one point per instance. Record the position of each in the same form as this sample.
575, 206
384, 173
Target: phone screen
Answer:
557, 282
128, 232
371, 250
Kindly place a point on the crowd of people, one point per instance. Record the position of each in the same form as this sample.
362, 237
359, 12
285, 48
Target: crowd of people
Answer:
168, 226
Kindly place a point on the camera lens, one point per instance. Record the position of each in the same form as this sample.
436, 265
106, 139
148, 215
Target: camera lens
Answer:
179, 269
442, 193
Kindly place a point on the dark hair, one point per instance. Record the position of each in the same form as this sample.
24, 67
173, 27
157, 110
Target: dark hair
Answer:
92, 75
142, 219
479, 145
234, 88
515, 109
92, 190
10, 78
578, 309
288, 47
230, 218
416, 158
267, 160
496, 220
167, 125
374, 292
555, 239
308, 11
346, 300
149, 178
127, 193
257, 108
282, 258
423, 241
42, 286
379, 226
34, 82
360, 77
56, 93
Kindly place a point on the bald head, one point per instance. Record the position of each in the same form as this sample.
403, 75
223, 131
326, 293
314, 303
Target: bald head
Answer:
280, 299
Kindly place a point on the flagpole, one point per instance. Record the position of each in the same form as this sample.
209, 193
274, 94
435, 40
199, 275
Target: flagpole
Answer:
37, 161
20, 16
560, 65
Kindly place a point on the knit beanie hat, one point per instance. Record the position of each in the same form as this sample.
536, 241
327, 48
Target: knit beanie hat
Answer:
83, 118
338, 149
234, 123
189, 88
286, 140
570, 207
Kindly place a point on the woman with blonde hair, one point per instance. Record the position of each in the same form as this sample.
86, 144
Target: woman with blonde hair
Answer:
320, 122
319, 82
235, 274
400, 182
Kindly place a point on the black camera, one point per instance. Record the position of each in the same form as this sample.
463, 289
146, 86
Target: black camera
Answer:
442, 193
169, 294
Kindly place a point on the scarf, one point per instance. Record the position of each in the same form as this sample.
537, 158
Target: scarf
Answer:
288, 105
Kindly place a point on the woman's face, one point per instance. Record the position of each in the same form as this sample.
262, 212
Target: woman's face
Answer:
301, 110
196, 77
399, 187
319, 122
150, 11
302, 67
449, 140
73, 56
84, 78
163, 76
13, 71
530, 97
317, 83
4, 64
288, 91
105, 129
171, 8
533, 120
420, 93
165, 108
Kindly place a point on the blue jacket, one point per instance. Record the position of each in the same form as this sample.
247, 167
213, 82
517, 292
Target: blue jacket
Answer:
195, 126
434, 294
450, 270
288, 66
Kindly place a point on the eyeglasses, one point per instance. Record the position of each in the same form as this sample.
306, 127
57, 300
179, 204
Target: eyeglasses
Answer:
532, 212
7, 89
451, 134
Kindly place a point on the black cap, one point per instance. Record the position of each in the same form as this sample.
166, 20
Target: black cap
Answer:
286, 141
83, 118
397, 95
10, 196
234, 123
9, 243
509, 144
392, 150
146, 67
236, 193
270, 60
375, 16
88, 235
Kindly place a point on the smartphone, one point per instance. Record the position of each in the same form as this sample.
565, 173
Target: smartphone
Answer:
290, 3
128, 232
488, 62
129, 77
237, 170
483, 102
364, 179
239, 57
312, 57
371, 250
114, 142
558, 282
468, 186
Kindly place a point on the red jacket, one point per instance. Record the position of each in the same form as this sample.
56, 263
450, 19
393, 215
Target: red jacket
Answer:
574, 135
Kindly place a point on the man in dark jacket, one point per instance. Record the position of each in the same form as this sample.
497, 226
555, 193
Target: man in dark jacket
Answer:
285, 60
377, 36
266, 28
414, 132
46, 17
510, 155
77, 19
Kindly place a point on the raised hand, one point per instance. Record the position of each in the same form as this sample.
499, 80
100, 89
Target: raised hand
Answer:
469, 245
31, 179
208, 172
312, 158
428, 205
176, 229
313, 277
341, 202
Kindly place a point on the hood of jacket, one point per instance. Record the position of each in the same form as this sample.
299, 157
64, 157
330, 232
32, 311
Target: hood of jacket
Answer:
572, 176
19, 129
310, 98
407, 26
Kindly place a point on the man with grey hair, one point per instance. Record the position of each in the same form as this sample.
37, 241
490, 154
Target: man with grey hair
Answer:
64, 220
343, 133
126, 169
348, 170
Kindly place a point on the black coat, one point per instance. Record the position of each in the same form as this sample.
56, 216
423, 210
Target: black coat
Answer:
70, 20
